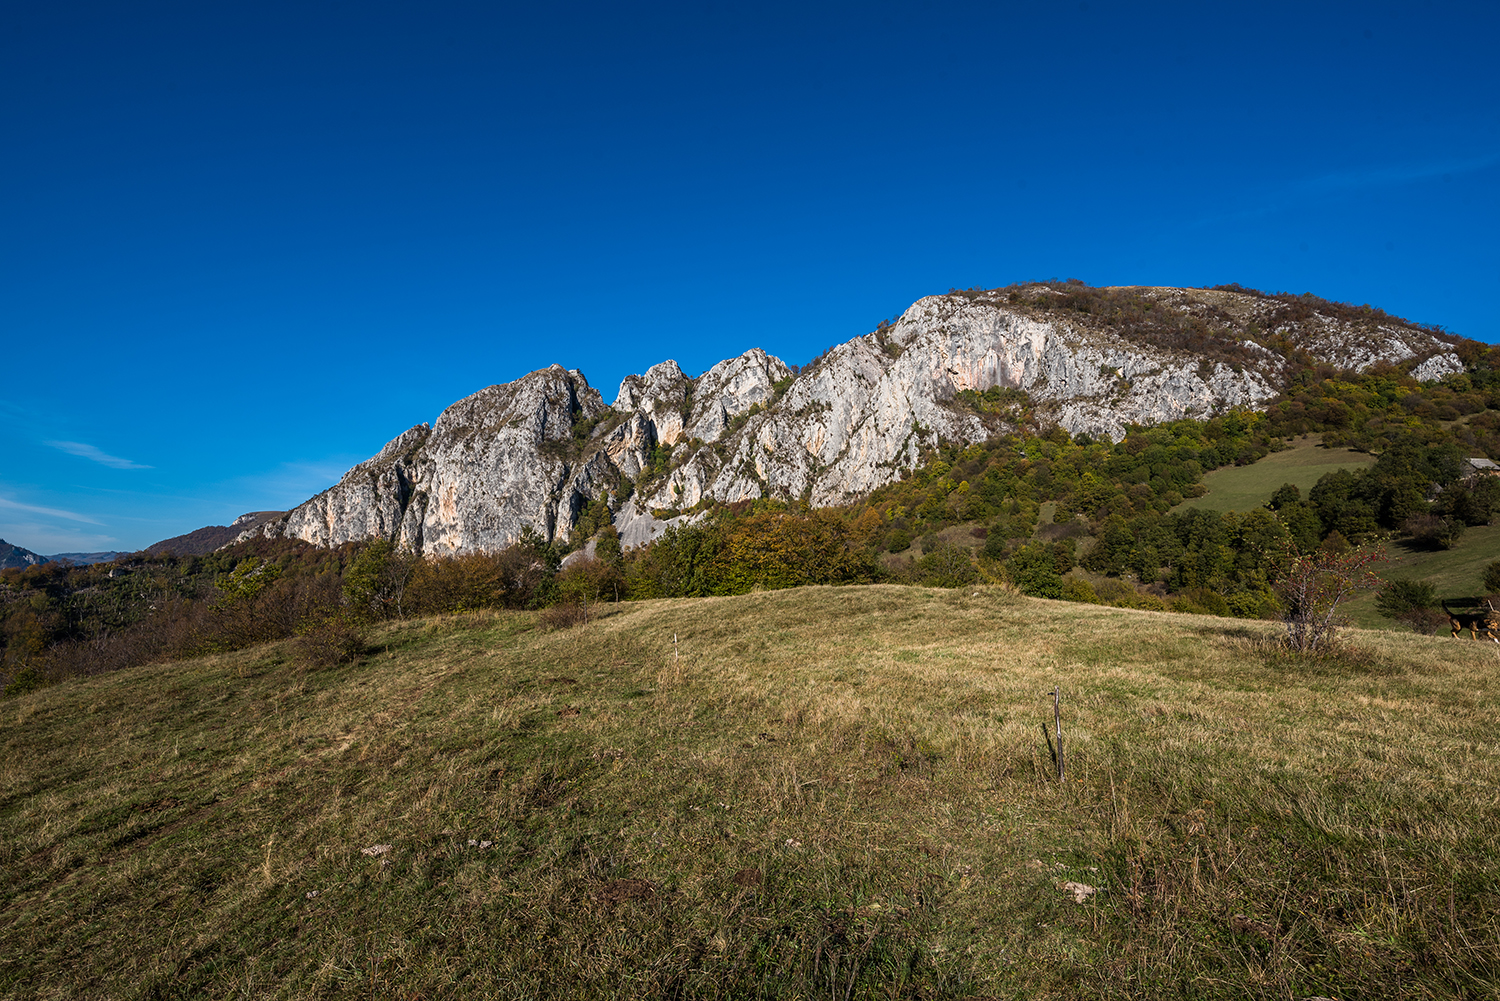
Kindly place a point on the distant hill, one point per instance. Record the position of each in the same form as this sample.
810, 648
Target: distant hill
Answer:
203, 541
15, 556
85, 557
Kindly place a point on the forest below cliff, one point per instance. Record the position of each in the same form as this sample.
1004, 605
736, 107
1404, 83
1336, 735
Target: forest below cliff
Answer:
1115, 532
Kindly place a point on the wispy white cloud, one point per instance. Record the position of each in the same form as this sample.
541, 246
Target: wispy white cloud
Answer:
1386, 175
1296, 192
83, 451
51, 512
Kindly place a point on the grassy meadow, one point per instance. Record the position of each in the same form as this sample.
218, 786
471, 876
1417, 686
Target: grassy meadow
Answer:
1456, 572
1303, 462
823, 793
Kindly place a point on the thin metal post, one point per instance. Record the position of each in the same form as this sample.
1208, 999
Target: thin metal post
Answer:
1057, 722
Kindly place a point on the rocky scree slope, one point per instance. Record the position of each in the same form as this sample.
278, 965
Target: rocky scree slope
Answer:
536, 452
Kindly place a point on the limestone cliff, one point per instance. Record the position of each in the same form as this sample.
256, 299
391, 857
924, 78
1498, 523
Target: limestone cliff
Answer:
535, 452
494, 463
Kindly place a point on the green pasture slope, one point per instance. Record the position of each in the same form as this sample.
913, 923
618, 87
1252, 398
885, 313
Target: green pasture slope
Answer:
812, 793
1243, 488
1456, 572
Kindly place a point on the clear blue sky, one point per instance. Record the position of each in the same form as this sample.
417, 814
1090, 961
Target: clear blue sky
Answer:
244, 244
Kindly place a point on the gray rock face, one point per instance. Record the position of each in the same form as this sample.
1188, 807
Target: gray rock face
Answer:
660, 396
494, 463
1437, 367
535, 452
732, 388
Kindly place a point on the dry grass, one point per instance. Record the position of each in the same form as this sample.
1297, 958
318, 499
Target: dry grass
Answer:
829, 793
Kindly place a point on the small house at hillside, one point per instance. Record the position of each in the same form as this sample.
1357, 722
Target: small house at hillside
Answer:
1483, 466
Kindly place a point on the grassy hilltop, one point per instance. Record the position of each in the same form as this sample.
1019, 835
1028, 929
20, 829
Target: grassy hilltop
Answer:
829, 792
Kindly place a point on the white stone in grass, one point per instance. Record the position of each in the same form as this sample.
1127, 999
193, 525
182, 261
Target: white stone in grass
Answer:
375, 850
1080, 891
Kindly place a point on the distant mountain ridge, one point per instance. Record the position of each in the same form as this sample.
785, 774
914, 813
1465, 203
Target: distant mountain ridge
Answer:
203, 541
199, 542
15, 556
86, 558
537, 452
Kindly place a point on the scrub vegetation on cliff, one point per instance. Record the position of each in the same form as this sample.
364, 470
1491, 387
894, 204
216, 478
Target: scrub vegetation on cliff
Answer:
1228, 323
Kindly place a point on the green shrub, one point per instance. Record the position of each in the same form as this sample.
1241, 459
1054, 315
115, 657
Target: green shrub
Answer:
1033, 569
1201, 601
1492, 578
1400, 596
1432, 530
1426, 621
329, 643
1121, 594
996, 543
27, 679
1260, 604
947, 565
1079, 589
376, 579
590, 579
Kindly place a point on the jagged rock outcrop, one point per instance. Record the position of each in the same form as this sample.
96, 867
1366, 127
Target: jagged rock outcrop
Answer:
661, 397
535, 452
493, 464
733, 388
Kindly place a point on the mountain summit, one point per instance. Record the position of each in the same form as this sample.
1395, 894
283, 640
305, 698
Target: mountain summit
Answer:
964, 366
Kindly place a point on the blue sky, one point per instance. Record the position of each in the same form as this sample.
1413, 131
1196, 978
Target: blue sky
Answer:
246, 244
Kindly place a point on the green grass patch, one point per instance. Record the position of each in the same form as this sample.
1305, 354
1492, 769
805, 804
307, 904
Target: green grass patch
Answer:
1242, 488
826, 792
1456, 572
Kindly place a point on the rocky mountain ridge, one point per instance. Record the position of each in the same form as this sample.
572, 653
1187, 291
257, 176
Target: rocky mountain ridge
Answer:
202, 541
536, 452
16, 556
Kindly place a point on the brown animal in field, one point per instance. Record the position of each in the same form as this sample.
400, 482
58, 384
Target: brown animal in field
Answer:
1487, 621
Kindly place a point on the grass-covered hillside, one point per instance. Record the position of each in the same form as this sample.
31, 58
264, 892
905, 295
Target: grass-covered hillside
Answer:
816, 792
1456, 574
1302, 463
